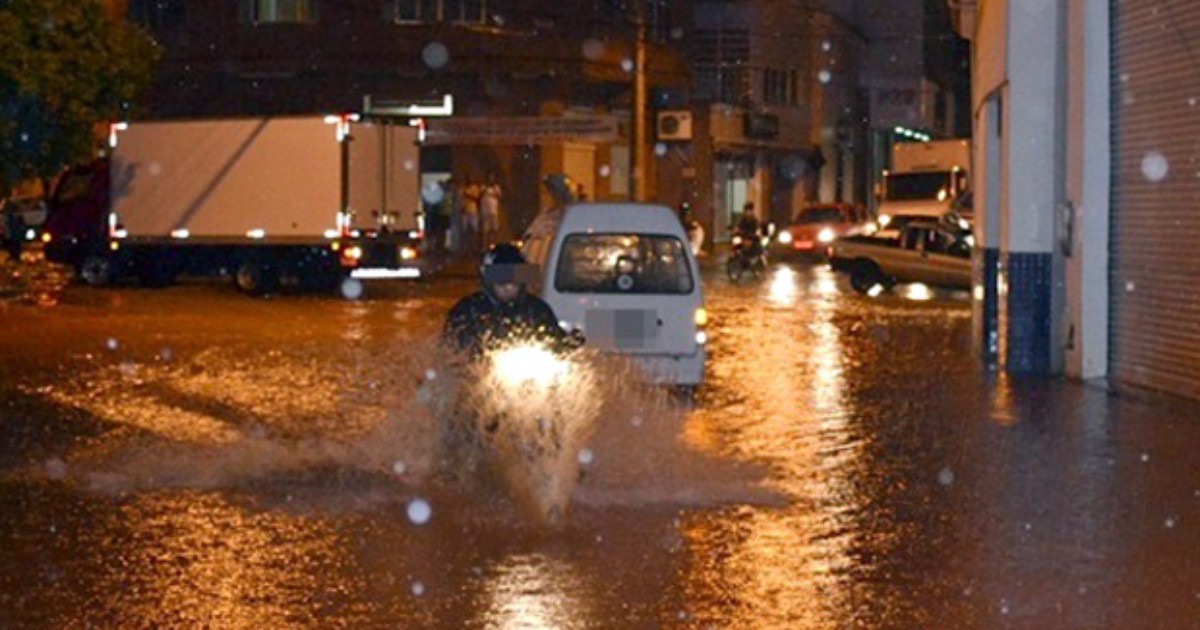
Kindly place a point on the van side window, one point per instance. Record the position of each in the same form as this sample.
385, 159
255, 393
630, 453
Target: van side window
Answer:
623, 263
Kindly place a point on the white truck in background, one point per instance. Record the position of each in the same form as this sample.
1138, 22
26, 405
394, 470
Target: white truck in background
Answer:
925, 180
313, 200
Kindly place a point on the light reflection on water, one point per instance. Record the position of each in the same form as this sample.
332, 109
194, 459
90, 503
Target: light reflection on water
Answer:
534, 591
197, 560
780, 399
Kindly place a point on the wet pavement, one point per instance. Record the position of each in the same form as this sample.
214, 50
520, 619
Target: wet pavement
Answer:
192, 458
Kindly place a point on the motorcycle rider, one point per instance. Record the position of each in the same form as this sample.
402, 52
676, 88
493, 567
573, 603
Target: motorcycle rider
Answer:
750, 230
503, 309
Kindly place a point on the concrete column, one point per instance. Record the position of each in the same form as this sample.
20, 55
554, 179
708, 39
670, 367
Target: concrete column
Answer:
1029, 292
1086, 214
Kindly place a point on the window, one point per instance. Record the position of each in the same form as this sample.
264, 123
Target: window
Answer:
157, 14
464, 11
811, 216
777, 87
623, 263
279, 11
719, 59
937, 242
914, 186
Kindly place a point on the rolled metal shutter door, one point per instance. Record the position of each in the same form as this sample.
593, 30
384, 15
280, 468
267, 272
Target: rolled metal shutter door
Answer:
1155, 233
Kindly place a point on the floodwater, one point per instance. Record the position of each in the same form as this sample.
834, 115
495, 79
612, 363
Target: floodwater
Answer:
189, 458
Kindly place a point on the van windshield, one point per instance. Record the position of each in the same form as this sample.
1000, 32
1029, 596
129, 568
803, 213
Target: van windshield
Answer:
623, 263
918, 186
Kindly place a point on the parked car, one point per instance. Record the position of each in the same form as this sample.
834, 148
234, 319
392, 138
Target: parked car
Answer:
814, 229
930, 252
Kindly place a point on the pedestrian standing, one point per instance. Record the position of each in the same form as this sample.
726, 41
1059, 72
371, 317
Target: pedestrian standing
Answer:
489, 206
12, 230
453, 205
470, 215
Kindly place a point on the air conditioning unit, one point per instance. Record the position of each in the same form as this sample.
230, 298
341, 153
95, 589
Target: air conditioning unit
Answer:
675, 125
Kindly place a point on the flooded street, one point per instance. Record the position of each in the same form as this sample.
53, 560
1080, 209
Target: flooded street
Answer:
192, 458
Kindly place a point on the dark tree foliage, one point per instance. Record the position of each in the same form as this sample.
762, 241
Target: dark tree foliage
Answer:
65, 70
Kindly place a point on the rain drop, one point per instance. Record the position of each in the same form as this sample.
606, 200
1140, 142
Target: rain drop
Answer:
605, 170
826, 45
824, 76
155, 169
1170, 523
418, 589
627, 65
409, 165
433, 194
677, 33
1028, 527
1130, 286
1155, 166
166, 354
1003, 607
56, 468
946, 477
636, 421
430, 374
586, 457
1192, 102
593, 49
112, 343
1145, 457
660, 149
399, 468
352, 288
419, 511
435, 55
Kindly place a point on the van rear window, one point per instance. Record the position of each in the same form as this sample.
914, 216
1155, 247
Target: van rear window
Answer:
623, 263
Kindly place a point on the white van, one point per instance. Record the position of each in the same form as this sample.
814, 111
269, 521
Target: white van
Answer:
624, 275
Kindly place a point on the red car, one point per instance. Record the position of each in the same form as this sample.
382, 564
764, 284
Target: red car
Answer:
814, 228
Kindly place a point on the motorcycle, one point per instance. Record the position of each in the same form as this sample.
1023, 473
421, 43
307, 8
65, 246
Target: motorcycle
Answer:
749, 255
531, 412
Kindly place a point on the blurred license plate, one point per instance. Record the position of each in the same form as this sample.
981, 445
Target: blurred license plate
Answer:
621, 329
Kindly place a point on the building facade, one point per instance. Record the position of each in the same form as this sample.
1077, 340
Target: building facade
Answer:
1086, 184
537, 86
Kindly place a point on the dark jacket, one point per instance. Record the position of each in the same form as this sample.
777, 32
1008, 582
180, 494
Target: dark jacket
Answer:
479, 322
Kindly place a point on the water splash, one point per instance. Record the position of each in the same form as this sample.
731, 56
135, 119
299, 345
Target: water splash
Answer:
295, 421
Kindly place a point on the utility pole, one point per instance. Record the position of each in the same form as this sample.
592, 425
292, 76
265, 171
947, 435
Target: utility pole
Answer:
638, 136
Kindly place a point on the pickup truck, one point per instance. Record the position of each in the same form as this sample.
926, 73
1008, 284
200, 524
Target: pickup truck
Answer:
929, 252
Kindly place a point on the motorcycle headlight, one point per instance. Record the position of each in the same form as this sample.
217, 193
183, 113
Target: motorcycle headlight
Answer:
529, 363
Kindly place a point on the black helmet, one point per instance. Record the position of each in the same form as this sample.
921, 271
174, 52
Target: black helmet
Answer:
503, 263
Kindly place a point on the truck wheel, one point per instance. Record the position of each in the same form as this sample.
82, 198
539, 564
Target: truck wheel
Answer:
256, 278
866, 275
96, 271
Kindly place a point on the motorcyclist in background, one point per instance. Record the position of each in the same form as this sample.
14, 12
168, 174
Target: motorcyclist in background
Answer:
749, 227
503, 310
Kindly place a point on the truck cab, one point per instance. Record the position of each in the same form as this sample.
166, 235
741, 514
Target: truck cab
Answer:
925, 180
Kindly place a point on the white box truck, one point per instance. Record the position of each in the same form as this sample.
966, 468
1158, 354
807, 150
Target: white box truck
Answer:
309, 199
925, 179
